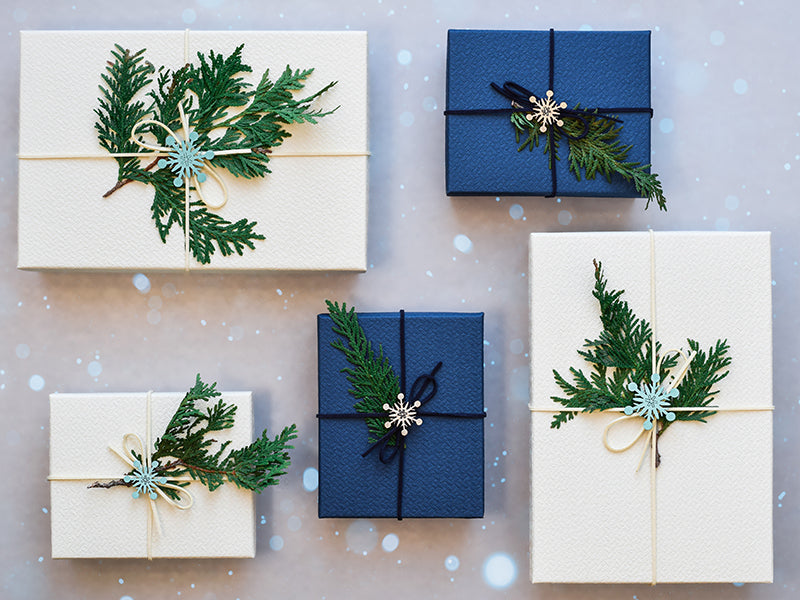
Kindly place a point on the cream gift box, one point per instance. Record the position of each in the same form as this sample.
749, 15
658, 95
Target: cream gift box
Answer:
592, 518
110, 523
311, 209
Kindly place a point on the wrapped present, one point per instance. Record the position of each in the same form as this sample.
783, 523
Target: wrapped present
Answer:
400, 414
158, 475
651, 466
193, 150
515, 96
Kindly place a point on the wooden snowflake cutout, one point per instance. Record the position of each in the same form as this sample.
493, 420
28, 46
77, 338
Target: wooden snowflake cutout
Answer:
402, 414
546, 111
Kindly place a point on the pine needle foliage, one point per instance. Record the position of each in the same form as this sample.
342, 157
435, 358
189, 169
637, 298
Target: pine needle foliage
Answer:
622, 353
185, 446
599, 152
226, 112
372, 378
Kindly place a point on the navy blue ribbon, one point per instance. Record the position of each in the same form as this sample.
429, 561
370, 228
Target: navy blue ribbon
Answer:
423, 390
520, 103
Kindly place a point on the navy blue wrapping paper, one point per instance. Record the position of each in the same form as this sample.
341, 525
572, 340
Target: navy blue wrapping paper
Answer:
598, 69
443, 462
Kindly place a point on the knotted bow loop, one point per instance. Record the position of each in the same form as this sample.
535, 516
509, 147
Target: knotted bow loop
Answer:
403, 413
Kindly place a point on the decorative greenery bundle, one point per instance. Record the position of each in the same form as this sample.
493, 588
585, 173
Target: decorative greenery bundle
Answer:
184, 449
223, 111
622, 355
373, 380
599, 151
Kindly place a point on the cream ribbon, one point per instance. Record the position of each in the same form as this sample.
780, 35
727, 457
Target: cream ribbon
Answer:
670, 382
144, 449
164, 151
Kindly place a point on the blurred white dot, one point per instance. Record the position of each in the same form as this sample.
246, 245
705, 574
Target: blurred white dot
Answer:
666, 125
23, 351
499, 570
717, 38
94, 368
141, 283
564, 217
722, 224
407, 119
276, 542
310, 479
740, 86
189, 16
404, 57
731, 202
20, 15
390, 542
462, 243
451, 563
585, 27
429, 103
787, 166
36, 383
516, 346
516, 211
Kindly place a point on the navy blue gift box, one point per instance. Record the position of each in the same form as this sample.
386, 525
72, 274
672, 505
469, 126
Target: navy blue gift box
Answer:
598, 69
437, 469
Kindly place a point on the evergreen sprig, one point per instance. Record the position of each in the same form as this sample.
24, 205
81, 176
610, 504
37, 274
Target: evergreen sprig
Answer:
598, 152
622, 353
186, 447
372, 378
223, 109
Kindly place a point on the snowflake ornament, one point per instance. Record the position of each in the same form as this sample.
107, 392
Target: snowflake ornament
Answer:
545, 111
651, 401
144, 479
402, 414
185, 160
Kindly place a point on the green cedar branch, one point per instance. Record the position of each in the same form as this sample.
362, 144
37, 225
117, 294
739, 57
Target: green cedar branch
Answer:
599, 152
622, 353
372, 378
223, 109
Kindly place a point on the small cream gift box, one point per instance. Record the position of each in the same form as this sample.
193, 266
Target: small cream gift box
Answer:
705, 514
85, 431
312, 208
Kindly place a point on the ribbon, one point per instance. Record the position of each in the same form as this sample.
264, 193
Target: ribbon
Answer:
144, 478
183, 159
402, 414
668, 390
546, 111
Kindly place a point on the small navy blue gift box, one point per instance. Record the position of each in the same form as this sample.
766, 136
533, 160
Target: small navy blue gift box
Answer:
596, 69
437, 469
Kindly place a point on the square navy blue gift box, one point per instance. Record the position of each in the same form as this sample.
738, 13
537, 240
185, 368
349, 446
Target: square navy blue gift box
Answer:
596, 69
439, 471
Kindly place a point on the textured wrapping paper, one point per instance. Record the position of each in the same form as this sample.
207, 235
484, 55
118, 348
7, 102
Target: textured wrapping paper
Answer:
312, 210
109, 523
590, 515
598, 69
443, 464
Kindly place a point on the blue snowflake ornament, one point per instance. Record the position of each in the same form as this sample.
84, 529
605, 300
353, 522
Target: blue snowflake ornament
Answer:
185, 160
144, 479
651, 401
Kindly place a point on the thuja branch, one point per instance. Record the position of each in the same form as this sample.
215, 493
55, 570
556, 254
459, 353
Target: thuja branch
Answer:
123, 182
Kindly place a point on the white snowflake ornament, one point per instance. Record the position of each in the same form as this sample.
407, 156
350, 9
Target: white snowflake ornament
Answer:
651, 401
402, 414
144, 479
546, 111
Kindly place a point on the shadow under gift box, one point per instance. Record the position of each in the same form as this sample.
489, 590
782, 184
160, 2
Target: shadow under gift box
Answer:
598, 69
443, 469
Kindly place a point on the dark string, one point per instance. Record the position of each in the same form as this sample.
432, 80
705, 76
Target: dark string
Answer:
417, 394
520, 100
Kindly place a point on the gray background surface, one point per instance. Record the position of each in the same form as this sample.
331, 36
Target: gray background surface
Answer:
726, 141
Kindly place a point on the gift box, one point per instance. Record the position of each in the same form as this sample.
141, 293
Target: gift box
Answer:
605, 507
436, 470
593, 69
311, 209
86, 433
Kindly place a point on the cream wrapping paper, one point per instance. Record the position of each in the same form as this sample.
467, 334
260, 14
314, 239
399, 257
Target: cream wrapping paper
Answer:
311, 209
110, 523
590, 509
